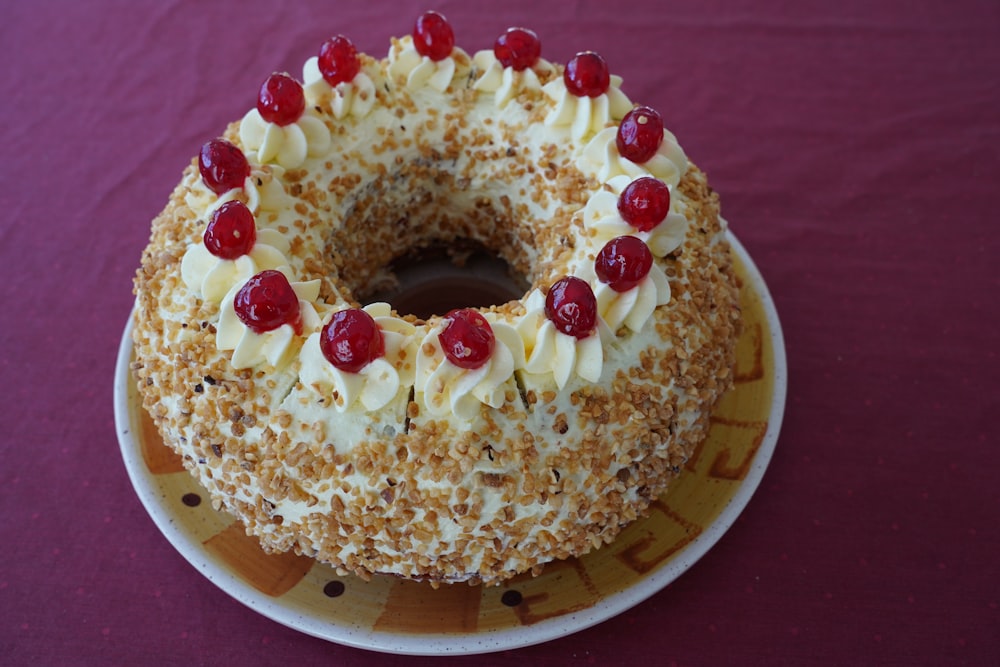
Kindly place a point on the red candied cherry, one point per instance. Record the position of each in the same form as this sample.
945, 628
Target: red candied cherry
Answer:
623, 263
587, 75
231, 232
267, 301
644, 203
519, 48
468, 339
281, 100
351, 340
223, 166
571, 306
640, 134
433, 36
338, 60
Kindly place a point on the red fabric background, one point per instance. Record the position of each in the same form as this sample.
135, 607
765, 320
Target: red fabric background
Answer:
855, 145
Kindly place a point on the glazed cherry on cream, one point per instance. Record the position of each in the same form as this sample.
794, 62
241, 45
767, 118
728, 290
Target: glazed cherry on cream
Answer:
223, 166
281, 100
468, 339
338, 60
572, 307
351, 340
433, 36
231, 232
644, 203
623, 263
640, 134
587, 75
518, 48
266, 302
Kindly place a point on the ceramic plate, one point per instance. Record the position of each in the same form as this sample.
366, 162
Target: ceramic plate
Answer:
386, 614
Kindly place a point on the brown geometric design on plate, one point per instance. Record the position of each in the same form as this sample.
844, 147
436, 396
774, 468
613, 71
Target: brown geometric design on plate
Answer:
271, 574
634, 556
533, 608
160, 459
580, 568
691, 464
417, 608
741, 432
749, 347
576, 591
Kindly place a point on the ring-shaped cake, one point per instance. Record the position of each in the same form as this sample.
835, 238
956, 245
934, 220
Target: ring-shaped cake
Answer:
471, 445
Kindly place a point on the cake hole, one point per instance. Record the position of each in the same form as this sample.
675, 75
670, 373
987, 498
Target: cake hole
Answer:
437, 280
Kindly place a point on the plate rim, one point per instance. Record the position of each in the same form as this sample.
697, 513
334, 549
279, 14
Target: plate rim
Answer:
486, 641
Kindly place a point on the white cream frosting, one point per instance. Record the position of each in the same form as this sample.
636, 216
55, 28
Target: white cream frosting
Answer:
633, 307
274, 347
601, 216
212, 277
288, 145
261, 191
549, 350
355, 97
584, 115
601, 156
379, 382
445, 388
505, 82
419, 71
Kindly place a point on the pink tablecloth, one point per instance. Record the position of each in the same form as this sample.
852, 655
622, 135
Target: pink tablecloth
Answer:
855, 145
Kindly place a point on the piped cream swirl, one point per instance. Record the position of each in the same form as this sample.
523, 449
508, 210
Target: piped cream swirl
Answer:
633, 307
506, 83
549, 350
261, 191
378, 383
443, 387
601, 216
212, 277
288, 145
419, 71
585, 115
274, 347
669, 163
355, 97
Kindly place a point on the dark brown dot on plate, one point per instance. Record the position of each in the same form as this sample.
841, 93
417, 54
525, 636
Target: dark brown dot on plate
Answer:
191, 499
334, 589
511, 598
